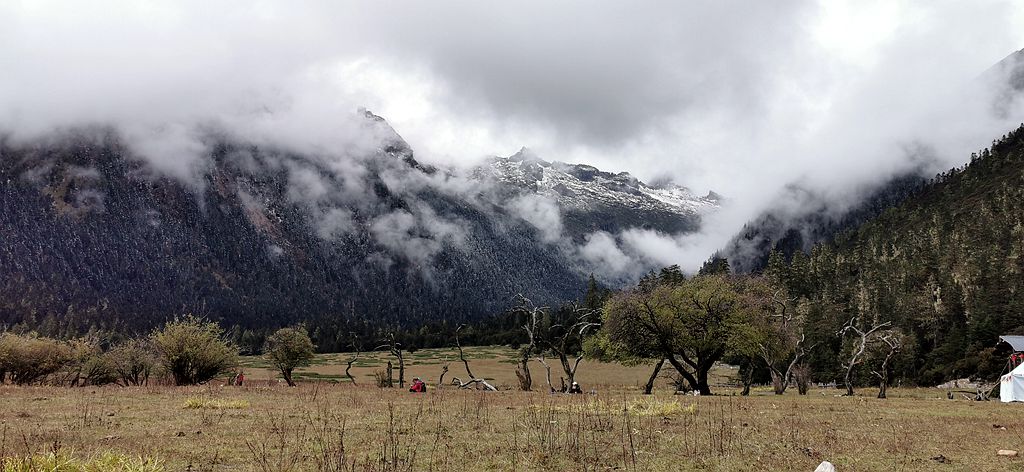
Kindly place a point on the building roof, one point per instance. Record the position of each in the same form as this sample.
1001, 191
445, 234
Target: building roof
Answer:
1016, 342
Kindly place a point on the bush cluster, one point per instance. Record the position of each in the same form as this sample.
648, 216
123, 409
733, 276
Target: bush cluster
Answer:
187, 351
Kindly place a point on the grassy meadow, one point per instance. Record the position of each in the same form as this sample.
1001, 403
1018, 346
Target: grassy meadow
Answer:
330, 424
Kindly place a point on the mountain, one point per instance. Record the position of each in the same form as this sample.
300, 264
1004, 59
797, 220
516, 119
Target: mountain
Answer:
95, 235
1007, 78
591, 200
944, 266
800, 218
808, 219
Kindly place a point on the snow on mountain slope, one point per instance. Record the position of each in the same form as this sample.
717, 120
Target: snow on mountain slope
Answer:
597, 200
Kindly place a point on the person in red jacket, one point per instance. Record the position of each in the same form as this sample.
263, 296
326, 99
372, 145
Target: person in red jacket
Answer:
418, 386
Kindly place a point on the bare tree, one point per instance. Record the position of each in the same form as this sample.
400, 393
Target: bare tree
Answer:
547, 368
473, 380
566, 338
859, 343
533, 317
444, 370
395, 348
357, 348
462, 355
782, 378
894, 342
781, 342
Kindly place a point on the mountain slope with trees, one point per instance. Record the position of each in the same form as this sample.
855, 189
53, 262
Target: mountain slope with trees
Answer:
96, 238
944, 267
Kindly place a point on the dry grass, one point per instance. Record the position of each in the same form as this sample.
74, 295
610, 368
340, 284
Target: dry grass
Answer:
496, 364
323, 426
201, 402
64, 461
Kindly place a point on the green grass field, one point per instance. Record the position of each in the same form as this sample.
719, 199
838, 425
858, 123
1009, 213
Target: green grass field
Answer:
327, 425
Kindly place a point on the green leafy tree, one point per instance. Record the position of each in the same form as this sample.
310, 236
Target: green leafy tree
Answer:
690, 325
192, 350
716, 265
671, 275
287, 349
596, 294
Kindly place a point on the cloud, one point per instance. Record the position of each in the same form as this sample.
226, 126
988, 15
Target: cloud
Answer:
602, 254
740, 97
419, 235
542, 213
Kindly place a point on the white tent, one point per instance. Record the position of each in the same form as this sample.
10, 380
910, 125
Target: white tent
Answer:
1011, 386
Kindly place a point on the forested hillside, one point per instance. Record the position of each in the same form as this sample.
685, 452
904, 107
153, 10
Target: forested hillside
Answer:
93, 236
816, 220
945, 267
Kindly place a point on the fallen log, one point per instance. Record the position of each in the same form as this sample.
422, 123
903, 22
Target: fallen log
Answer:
473, 383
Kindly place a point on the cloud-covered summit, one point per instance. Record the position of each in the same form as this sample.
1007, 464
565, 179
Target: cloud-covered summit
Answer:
740, 97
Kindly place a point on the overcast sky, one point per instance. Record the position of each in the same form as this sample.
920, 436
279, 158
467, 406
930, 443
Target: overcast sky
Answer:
737, 97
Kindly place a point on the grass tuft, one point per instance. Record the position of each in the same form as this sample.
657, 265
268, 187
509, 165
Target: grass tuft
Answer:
649, 406
66, 462
196, 403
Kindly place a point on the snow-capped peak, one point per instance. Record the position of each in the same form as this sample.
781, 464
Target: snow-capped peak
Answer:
583, 187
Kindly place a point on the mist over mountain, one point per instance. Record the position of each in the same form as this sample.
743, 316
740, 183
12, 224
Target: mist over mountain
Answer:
810, 219
262, 235
803, 215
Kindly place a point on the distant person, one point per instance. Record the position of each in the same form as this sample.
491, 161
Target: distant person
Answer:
240, 379
575, 388
418, 386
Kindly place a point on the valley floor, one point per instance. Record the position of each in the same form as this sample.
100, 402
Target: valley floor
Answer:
264, 426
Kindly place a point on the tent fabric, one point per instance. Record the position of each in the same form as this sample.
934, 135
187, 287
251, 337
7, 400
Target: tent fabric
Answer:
1011, 386
1016, 342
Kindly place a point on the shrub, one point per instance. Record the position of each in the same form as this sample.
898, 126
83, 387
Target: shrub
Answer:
132, 361
192, 351
87, 364
28, 359
287, 349
382, 378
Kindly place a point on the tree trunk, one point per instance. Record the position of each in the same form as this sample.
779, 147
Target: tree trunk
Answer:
802, 375
883, 373
683, 372
702, 380
349, 374
570, 373
547, 369
849, 381
883, 377
523, 373
401, 371
779, 382
391, 382
288, 377
747, 378
654, 376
